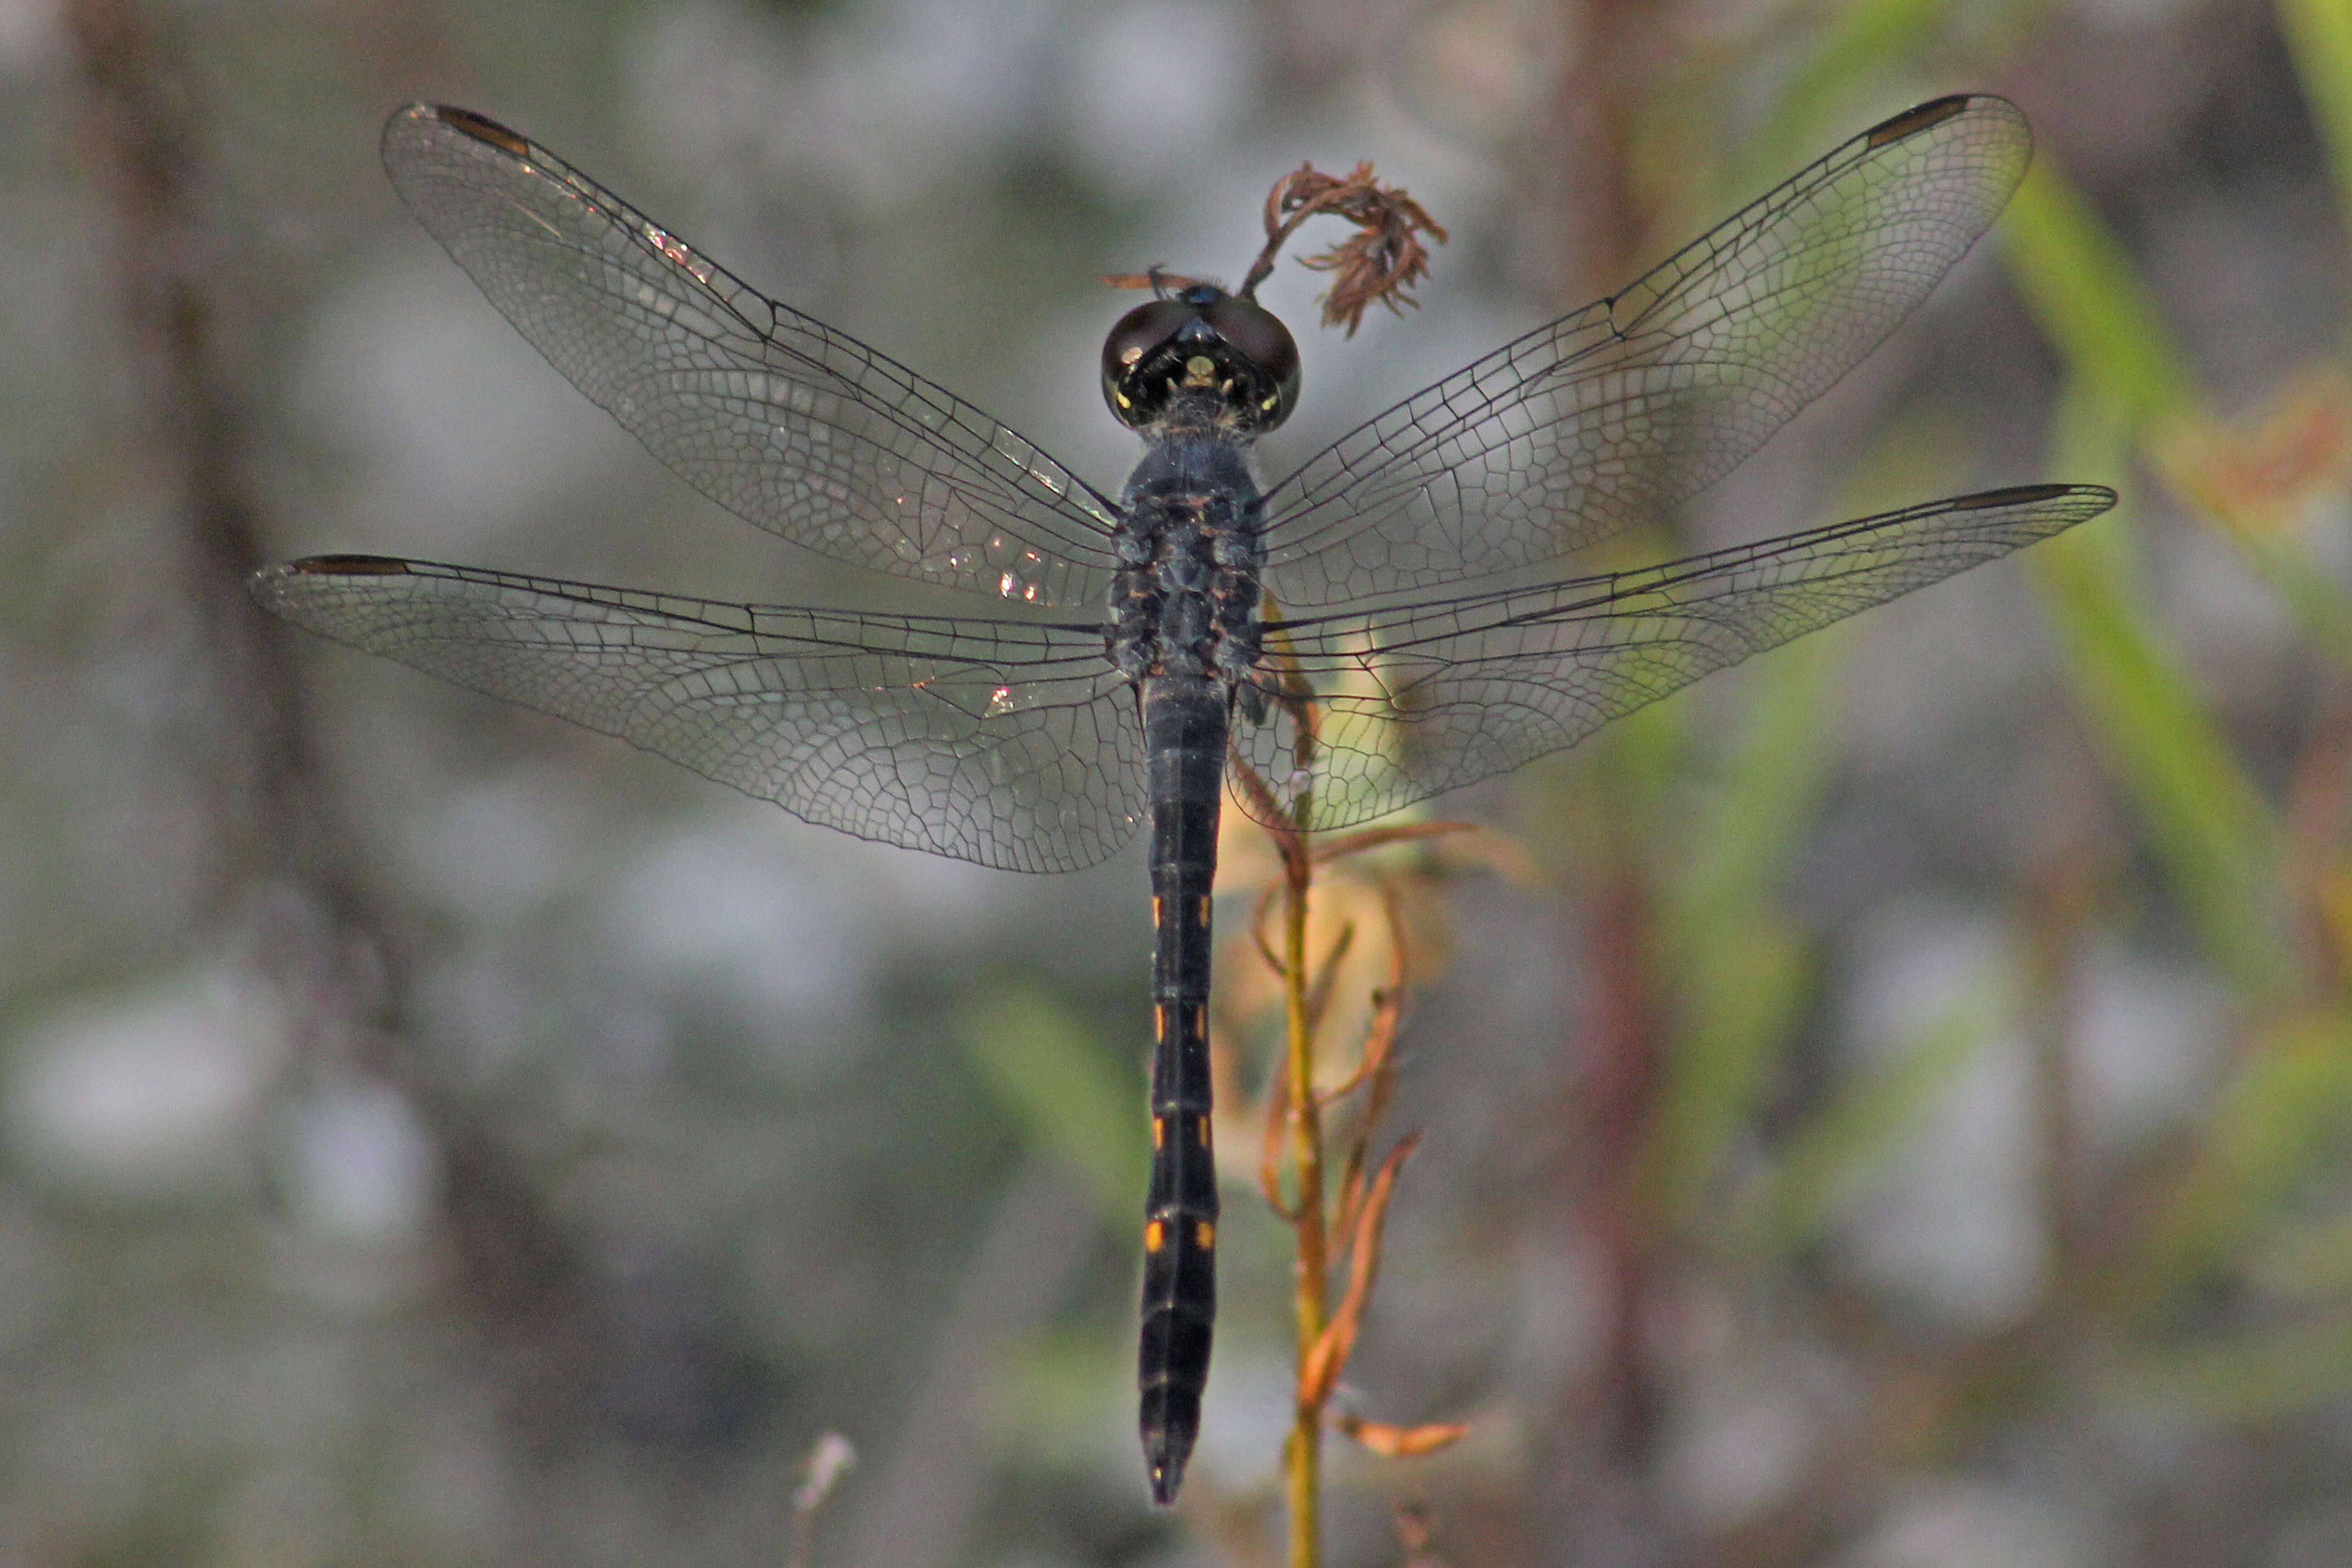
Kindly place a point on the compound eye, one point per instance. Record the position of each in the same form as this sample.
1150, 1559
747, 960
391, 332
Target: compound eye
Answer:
1133, 343
1140, 331
1257, 335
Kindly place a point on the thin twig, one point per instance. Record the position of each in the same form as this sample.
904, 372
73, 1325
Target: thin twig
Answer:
1265, 949
1333, 848
828, 1461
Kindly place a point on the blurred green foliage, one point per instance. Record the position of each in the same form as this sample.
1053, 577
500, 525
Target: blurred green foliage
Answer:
2252, 1201
1736, 1175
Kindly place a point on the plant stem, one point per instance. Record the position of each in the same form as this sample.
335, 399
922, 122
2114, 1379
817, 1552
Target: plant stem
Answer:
1302, 1454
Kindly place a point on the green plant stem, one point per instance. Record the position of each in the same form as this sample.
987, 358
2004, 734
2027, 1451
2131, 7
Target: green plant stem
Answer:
1302, 1452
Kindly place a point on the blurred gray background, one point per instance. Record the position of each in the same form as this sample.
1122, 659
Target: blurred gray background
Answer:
431, 1135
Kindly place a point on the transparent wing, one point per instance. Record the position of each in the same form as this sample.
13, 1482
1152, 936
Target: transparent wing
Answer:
1608, 416
792, 425
1409, 702
1009, 743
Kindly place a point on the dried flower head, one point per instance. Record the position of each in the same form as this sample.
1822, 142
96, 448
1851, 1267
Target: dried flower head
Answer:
1378, 264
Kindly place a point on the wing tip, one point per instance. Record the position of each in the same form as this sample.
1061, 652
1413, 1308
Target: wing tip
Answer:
342, 566
2027, 495
482, 128
466, 122
2010, 495
1934, 112
274, 587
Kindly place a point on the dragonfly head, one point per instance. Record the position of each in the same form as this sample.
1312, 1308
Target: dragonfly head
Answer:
1201, 339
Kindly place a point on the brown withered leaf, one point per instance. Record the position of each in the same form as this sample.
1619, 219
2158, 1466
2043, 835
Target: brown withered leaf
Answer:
1319, 1370
1393, 1442
1379, 1069
1373, 1060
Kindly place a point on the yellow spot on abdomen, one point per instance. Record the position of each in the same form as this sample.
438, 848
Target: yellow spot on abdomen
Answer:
1159, 1132
1206, 1234
1155, 1236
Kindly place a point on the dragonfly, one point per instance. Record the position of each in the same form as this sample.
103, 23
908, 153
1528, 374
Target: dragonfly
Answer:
1368, 631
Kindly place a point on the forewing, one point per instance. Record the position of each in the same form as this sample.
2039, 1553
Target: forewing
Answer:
1610, 416
1411, 702
794, 426
1012, 745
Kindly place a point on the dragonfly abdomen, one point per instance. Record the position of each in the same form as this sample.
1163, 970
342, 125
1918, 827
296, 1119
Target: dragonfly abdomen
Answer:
1184, 741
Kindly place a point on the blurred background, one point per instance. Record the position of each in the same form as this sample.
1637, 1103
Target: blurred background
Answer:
1889, 1106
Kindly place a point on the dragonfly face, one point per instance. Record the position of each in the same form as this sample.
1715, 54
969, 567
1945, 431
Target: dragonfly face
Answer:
1205, 342
1043, 746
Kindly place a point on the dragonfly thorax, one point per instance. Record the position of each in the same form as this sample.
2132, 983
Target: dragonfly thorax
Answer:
1185, 600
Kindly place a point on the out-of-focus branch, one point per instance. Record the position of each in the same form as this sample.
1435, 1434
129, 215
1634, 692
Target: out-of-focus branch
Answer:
314, 930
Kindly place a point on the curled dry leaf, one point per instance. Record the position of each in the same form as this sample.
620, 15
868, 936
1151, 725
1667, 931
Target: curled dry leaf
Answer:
1381, 1076
1373, 1060
1320, 1369
1393, 1442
